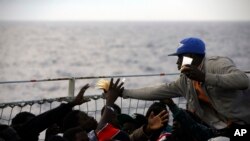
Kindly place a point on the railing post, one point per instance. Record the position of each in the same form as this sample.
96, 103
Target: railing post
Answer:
71, 87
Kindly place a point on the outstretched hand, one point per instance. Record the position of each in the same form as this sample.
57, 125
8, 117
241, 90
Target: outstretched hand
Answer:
115, 89
80, 99
168, 101
193, 73
158, 121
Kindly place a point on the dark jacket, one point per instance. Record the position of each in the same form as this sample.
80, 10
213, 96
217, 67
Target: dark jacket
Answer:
197, 129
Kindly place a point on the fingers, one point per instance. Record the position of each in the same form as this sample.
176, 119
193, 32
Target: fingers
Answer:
185, 68
193, 73
189, 71
120, 86
85, 87
164, 115
164, 120
117, 82
151, 115
111, 83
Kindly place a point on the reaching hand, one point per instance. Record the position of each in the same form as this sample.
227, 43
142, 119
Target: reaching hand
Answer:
115, 89
168, 101
158, 121
80, 99
192, 72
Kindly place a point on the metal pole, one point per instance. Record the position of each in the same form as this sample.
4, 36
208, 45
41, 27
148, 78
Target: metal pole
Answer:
71, 87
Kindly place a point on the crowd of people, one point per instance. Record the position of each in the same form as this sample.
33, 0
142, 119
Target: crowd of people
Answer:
66, 124
217, 95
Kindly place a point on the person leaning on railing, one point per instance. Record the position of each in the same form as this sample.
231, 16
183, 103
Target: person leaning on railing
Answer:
215, 89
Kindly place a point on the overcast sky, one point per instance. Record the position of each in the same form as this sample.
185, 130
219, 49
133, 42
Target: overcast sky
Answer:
125, 10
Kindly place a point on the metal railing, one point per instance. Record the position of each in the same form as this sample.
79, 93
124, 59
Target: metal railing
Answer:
71, 89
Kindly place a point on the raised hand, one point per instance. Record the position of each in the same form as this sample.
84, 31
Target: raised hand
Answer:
158, 121
80, 99
115, 89
168, 101
193, 73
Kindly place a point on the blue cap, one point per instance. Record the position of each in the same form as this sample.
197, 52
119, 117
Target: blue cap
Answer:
190, 45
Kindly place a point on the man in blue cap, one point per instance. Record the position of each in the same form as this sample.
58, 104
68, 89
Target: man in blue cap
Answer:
214, 88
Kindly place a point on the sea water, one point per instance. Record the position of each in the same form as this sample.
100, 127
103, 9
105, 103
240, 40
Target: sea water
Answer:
42, 50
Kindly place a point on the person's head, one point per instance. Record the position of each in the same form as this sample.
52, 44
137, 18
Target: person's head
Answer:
116, 108
127, 123
7, 133
75, 134
130, 123
156, 108
78, 118
139, 119
190, 47
22, 118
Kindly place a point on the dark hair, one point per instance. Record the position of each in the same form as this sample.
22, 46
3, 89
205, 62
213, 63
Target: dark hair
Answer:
116, 108
70, 134
71, 120
156, 107
22, 118
79, 118
139, 119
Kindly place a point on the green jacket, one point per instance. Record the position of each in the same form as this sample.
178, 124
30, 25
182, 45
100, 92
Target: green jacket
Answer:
226, 86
